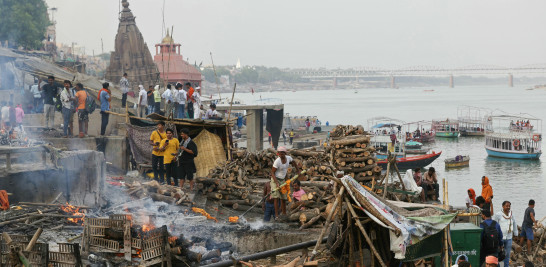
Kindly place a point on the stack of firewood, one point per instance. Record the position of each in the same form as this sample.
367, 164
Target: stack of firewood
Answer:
351, 152
537, 255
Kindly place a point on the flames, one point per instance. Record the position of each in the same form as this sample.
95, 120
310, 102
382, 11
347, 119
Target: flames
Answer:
172, 239
73, 210
148, 227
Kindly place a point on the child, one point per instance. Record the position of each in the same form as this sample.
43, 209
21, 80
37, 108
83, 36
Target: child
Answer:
268, 205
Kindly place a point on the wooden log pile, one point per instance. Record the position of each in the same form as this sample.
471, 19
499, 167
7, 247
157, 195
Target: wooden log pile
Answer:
537, 255
158, 192
352, 153
234, 183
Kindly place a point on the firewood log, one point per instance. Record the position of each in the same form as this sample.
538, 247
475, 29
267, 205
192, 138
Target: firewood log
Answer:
214, 195
159, 197
307, 213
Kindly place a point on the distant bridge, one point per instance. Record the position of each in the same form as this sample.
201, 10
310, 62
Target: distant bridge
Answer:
420, 71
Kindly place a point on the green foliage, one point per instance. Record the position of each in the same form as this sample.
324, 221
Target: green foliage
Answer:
251, 74
23, 22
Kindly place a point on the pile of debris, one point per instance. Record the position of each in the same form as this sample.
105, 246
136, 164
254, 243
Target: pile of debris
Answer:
27, 217
537, 255
158, 192
351, 152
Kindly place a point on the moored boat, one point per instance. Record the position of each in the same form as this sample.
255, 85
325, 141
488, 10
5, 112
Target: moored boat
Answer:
472, 120
416, 131
504, 140
457, 162
448, 128
406, 163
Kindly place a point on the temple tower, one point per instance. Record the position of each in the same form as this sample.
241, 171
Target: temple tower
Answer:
131, 54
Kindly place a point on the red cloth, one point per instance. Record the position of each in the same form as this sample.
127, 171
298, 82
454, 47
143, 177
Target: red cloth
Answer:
4, 201
472, 195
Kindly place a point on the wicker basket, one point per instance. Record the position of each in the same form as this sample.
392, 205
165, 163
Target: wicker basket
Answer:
210, 152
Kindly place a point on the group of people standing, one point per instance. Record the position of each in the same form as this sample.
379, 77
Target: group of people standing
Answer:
173, 158
181, 100
500, 229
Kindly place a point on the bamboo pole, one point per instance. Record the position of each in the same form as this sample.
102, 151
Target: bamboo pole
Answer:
365, 234
350, 229
360, 252
386, 179
228, 118
330, 215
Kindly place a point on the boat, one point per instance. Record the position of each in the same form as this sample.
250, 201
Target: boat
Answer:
387, 137
503, 140
416, 151
457, 162
448, 128
419, 131
407, 163
413, 145
472, 120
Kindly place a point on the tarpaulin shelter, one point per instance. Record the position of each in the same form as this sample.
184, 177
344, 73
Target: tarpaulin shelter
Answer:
391, 233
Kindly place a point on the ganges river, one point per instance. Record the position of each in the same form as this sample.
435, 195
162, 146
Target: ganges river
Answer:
513, 180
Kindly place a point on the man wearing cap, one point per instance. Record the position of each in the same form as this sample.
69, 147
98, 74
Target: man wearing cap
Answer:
278, 175
212, 114
491, 261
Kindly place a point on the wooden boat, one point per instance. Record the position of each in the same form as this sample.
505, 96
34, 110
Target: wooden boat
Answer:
412, 162
447, 128
457, 162
504, 141
413, 145
416, 131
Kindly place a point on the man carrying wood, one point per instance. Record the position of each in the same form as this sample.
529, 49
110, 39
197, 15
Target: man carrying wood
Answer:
278, 175
186, 160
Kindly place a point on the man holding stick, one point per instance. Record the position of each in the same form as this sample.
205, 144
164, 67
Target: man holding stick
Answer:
278, 175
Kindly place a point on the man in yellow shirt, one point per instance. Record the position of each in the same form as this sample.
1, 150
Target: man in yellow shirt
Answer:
157, 156
169, 147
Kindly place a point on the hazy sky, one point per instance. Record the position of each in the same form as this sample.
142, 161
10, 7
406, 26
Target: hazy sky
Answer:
319, 33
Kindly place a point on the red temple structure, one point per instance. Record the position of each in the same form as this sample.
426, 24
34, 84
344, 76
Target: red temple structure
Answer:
171, 64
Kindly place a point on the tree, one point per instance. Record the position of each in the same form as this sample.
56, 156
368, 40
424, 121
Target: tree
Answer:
23, 23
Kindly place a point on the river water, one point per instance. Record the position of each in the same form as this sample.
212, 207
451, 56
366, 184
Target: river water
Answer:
514, 180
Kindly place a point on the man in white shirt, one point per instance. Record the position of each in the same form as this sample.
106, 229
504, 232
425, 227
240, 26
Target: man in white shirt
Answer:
124, 86
5, 114
509, 228
212, 113
197, 103
169, 101
142, 101
67, 100
278, 175
180, 101
37, 97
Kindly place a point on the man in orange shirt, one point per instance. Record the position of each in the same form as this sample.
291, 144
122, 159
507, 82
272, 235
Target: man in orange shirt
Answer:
190, 100
83, 116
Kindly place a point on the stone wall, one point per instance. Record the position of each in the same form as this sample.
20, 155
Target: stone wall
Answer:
80, 179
